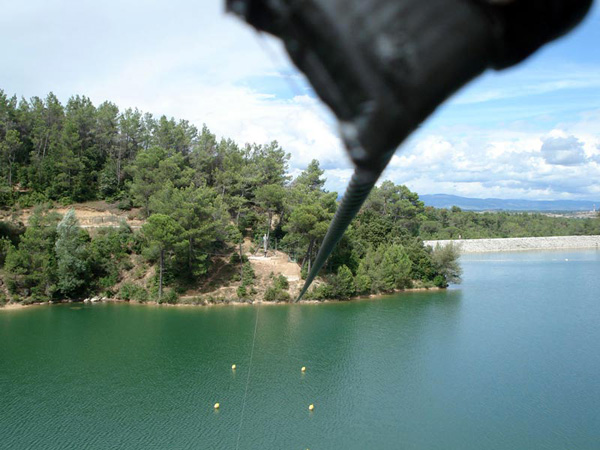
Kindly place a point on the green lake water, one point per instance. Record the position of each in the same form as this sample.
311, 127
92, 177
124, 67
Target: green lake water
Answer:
510, 359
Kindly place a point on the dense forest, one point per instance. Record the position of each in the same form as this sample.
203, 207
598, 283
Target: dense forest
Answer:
201, 199
455, 223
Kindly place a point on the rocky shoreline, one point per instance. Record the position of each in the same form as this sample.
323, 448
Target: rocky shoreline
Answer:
224, 302
521, 244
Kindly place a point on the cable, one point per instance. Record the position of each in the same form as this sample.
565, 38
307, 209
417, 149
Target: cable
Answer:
237, 445
357, 192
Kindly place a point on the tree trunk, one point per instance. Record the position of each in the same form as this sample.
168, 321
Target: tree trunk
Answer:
45, 147
241, 260
121, 154
10, 166
160, 277
268, 231
119, 169
281, 217
190, 250
309, 253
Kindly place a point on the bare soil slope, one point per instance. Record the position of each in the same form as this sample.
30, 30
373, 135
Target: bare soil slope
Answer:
91, 215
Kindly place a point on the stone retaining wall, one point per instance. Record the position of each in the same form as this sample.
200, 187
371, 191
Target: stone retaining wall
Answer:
519, 244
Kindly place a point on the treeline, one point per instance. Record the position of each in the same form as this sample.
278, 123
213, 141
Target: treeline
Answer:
455, 223
200, 198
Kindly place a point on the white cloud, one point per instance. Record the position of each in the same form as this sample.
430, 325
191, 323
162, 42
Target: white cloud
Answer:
186, 59
563, 151
504, 163
525, 83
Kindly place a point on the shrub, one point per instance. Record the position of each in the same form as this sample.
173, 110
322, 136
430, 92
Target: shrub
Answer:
32, 199
108, 281
247, 274
322, 292
273, 294
126, 264
169, 296
5, 246
445, 261
125, 204
214, 299
12, 286
12, 232
108, 255
191, 301
281, 282
130, 291
241, 292
65, 201
235, 258
440, 281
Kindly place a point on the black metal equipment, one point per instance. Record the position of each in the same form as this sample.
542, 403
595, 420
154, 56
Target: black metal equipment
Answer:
383, 66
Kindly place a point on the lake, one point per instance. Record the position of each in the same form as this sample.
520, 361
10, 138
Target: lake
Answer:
510, 359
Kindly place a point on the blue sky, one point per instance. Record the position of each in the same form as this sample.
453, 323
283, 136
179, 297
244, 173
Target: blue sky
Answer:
529, 132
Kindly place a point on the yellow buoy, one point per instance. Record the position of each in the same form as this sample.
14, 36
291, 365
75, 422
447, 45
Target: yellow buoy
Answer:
233, 367
217, 406
303, 369
311, 407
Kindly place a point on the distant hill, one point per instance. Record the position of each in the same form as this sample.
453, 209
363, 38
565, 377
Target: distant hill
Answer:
497, 204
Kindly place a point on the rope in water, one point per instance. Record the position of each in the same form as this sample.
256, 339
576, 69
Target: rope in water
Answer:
237, 445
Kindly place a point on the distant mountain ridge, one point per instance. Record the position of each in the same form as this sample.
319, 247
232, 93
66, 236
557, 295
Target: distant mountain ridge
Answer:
497, 204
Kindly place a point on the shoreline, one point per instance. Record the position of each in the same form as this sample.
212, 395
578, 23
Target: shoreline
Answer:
495, 245
20, 306
467, 246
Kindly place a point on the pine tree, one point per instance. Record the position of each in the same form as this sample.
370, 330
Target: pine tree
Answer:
162, 233
395, 268
344, 286
31, 266
9, 149
71, 255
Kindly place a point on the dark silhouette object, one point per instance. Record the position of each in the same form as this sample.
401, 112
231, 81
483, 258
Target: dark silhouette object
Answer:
383, 66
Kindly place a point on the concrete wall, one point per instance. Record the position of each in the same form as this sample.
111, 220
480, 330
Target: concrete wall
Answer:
517, 244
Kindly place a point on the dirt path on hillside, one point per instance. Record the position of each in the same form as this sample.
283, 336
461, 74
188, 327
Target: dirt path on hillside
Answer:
276, 263
90, 215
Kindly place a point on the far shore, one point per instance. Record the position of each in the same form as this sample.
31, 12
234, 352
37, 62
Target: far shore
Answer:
521, 244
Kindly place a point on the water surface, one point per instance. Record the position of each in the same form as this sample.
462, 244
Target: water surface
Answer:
508, 360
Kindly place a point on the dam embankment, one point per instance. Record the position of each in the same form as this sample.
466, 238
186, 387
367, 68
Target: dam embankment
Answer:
522, 244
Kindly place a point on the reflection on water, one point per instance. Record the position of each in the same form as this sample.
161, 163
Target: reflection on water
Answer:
506, 360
